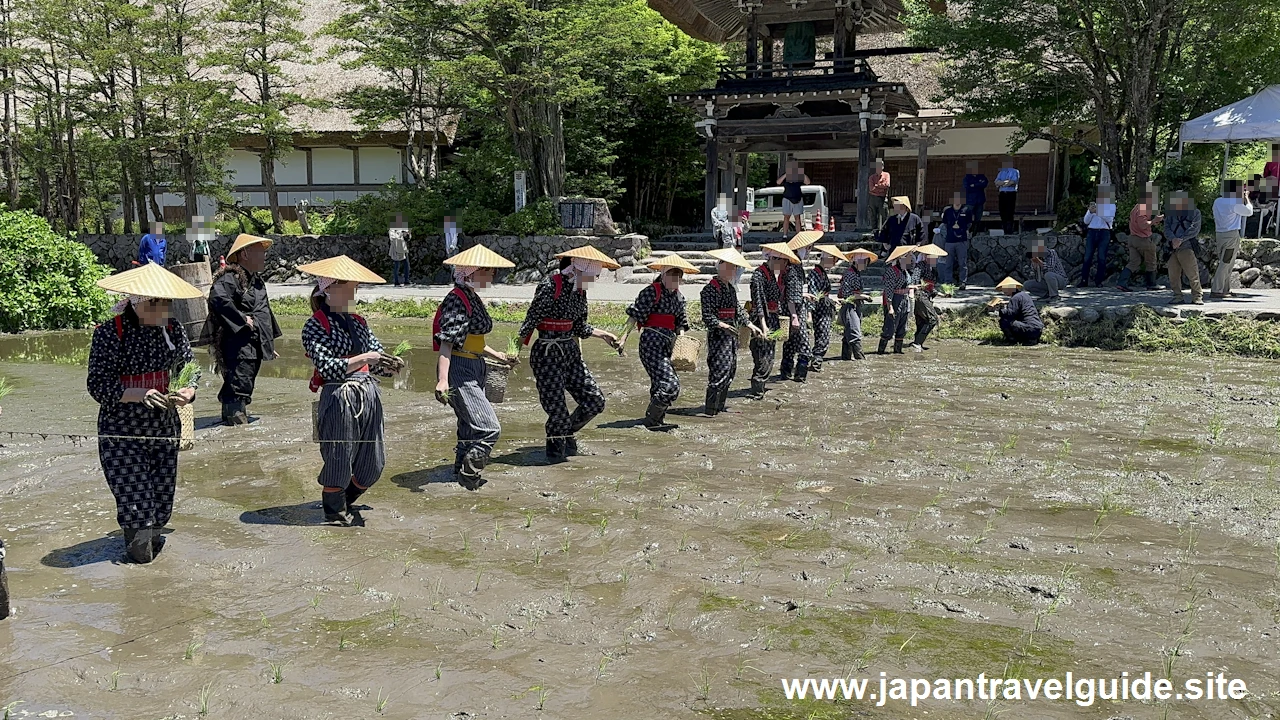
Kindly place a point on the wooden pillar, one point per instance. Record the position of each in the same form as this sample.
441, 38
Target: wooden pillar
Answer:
712, 183
753, 44
841, 39
922, 163
740, 181
864, 174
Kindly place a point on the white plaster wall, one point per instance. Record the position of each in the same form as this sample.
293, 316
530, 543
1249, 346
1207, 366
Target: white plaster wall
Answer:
379, 165
292, 169
333, 166
244, 168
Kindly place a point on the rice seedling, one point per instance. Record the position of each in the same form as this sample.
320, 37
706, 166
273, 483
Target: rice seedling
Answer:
6, 388
192, 647
831, 588
625, 575
395, 612
495, 640
407, 564
513, 345
543, 694
8, 709
183, 378
1217, 427
1011, 443
478, 576
401, 349
382, 702
315, 601
566, 542
439, 669
684, 542
466, 544
864, 660
741, 666
528, 519
537, 555
342, 641
775, 335
604, 524
202, 700
114, 682
497, 531
702, 683
262, 620
671, 613
437, 593
595, 495
602, 666
277, 671
359, 585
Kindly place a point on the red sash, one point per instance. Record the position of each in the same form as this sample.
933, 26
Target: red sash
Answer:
662, 321
158, 380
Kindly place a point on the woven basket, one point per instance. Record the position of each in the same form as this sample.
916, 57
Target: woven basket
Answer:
744, 336
784, 325
495, 385
187, 420
684, 353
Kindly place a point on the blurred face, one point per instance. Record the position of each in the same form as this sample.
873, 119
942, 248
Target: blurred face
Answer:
900, 208
253, 258
957, 200
879, 166
157, 228
727, 272
342, 296
1009, 291
482, 278
972, 167
860, 262
671, 280
827, 261
154, 311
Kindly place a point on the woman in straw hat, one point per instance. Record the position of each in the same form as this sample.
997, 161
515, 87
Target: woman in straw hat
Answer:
722, 315
132, 359
659, 310
1019, 320
852, 297
346, 355
924, 282
824, 308
461, 324
768, 287
796, 350
896, 301
244, 328
559, 314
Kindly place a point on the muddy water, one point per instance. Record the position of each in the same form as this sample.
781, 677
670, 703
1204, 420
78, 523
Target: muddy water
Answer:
974, 509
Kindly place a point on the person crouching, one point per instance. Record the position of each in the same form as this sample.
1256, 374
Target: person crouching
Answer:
659, 310
1019, 320
722, 315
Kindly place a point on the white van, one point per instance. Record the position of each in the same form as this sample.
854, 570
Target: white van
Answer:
766, 208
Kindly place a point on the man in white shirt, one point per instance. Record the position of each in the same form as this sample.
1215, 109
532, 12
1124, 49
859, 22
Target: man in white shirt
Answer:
399, 250
450, 236
1229, 212
1100, 218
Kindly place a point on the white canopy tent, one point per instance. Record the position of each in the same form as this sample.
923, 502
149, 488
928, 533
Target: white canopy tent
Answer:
1253, 119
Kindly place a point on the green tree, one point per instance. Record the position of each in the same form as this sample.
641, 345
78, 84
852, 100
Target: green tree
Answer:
1112, 76
261, 38
47, 282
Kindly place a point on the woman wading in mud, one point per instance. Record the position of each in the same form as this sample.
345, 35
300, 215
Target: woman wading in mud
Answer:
722, 315
131, 360
768, 287
346, 356
559, 314
659, 310
458, 333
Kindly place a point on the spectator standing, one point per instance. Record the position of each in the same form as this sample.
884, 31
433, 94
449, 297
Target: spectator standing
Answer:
878, 189
1182, 228
399, 250
1007, 182
1100, 218
903, 227
1142, 246
1272, 168
793, 182
153, 246
450, 236
975, 193
200, 237
956, 220
1229, 212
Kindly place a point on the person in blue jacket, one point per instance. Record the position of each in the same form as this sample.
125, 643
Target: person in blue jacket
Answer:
975, 194
153, 246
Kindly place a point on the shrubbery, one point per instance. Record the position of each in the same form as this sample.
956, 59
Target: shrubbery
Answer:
537, 218
47, 282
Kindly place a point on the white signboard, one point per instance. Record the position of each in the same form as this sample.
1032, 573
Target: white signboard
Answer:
520, 191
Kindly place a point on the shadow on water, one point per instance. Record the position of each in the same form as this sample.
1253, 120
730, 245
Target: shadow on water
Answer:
529, 455
307, 513
417, 480
109, 548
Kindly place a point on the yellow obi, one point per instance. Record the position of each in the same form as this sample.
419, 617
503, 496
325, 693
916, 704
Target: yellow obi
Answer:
472, 347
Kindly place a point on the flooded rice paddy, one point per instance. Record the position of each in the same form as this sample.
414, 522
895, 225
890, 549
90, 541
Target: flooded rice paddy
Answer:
1013, 511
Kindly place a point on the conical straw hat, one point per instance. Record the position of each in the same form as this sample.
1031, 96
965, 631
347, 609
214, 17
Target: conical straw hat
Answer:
1009, 282
673, 261
831, 250
900, 251
587, 252
243, 241
861, 252
151, 281
904, 200
781, 249
731, 256
481, 257
931, 249
804, 239
341, 268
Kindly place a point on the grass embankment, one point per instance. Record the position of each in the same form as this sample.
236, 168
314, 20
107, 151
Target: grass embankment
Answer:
1141, 330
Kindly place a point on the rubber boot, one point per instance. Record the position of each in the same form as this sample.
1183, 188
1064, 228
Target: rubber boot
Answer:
815, 365
555, 450
352, 494
785, 372
711, 407
157, 542
857, 350
137, 545
1150, 277
473, 462
802, 370
897, 346
653, 416
233, 413
457, 462
884, 342
570, 446
722, 398
846, 350
757, 389
335, 507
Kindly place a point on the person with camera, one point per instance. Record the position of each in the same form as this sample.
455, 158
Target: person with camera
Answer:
1099, 218
1142, 246
1229, 212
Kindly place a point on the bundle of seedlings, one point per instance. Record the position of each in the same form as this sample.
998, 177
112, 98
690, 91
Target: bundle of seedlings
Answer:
187, 412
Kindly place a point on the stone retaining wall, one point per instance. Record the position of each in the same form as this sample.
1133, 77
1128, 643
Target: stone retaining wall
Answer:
532, 255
